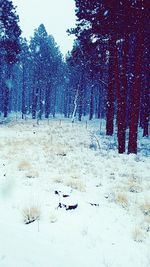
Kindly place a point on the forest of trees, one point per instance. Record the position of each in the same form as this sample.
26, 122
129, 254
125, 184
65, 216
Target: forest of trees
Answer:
105, 76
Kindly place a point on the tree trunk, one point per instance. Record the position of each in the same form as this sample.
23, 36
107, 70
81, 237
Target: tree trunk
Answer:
80, 97
48, 102
146, 108
75, 106
135, 101
99, 107
34, 101
146, 115
6, 102
40, 102
110, 94
91, 103
66, 101
23, 94
121, 85
6, 90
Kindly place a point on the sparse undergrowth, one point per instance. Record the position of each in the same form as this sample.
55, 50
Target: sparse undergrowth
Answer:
99, 189
24, 165
76, 184
145, 208
138, 234
31, 214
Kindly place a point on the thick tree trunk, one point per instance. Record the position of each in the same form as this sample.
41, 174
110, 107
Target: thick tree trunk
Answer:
136, 92
110, 94
121, 86
146, 102
146, 109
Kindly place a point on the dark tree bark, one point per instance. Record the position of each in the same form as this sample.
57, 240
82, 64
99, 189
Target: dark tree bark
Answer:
81, 97
34, 102
85, 104
136, 92
110, 94
99, 106
66, 101
80, 103
91, 103
146, 107
146, 89
48, 102
121, 86
6, 90
6, 101
41, 93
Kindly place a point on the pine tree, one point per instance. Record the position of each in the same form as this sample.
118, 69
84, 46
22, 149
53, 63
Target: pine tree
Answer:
46, 60
24, 60
140, 12
9, 44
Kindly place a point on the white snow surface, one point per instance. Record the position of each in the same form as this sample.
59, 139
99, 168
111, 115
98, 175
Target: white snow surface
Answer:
110, 226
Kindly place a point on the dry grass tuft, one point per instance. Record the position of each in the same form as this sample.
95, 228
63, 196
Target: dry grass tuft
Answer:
32, 174
145, 224
31, 214
121, 199
56, 149
76, 184
58, 180
24, 165
145, 208
134, 187
138, 235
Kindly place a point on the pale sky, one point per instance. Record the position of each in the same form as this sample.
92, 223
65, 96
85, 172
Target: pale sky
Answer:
56, 15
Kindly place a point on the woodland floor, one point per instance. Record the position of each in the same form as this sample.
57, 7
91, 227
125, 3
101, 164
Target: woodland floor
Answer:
50, 168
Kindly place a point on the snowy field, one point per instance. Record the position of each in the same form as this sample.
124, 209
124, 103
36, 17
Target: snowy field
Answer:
90, 207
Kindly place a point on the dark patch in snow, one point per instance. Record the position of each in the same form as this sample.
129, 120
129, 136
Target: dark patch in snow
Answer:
62, 154
68, 207
65, 195
94, 204
59, 193
30, 221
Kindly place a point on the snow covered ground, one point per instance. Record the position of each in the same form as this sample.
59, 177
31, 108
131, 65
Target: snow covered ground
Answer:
58, 163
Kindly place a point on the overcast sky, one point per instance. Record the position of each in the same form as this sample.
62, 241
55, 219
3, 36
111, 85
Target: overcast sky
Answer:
56, 15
